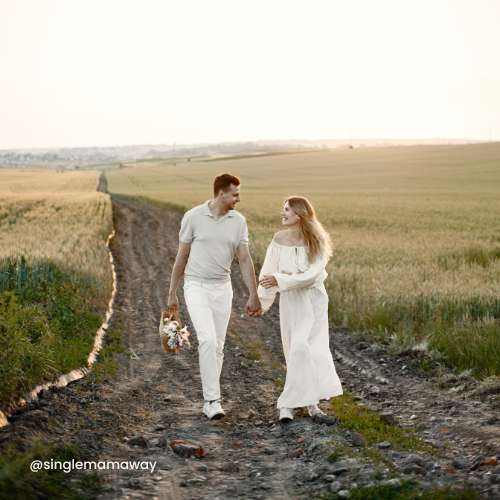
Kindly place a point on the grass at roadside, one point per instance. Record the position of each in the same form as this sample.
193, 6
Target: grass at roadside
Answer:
55, 275
106, 366
18, 482
48, 319
407, 490
372, 427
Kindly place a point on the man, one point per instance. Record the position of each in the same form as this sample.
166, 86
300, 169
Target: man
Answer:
211, 235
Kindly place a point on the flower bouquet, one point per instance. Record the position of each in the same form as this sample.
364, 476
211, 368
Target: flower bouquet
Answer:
172, 335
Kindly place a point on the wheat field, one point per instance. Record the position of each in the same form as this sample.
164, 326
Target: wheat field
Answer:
416, 231
55, 274
57, 216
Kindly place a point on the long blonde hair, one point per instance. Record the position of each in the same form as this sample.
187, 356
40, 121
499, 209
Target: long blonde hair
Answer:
316, 238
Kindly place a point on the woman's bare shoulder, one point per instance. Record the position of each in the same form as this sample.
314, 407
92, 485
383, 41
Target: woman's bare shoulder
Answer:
281, 237
284, 237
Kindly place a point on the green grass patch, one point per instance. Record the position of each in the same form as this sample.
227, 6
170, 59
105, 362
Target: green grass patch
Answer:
356, 417
464, 330
279, 383
255, 349
106, 366
473, 345
377, 457
48, 320
18, 482
411, 315
254, 355
406, 491
339, 450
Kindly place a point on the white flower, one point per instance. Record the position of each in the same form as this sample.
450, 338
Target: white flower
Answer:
177, 336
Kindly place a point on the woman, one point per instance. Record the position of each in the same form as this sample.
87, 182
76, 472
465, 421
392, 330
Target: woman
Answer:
295, 266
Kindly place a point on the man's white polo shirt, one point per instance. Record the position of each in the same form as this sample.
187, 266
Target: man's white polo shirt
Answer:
213, 242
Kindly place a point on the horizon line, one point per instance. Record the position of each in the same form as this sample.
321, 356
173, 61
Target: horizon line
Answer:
174, 144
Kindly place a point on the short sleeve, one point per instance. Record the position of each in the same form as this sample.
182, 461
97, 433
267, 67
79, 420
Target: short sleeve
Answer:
186, 231
244, 232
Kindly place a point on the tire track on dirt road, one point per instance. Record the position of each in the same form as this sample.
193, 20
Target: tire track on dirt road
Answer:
235, 463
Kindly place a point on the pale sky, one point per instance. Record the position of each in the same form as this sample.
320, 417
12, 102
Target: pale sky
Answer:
116, 72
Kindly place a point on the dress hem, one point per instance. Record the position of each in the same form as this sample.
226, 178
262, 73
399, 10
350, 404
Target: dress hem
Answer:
300, 405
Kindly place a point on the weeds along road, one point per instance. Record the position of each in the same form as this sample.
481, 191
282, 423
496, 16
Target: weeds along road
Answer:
156, 397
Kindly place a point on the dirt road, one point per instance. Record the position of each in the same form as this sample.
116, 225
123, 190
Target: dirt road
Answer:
157, 398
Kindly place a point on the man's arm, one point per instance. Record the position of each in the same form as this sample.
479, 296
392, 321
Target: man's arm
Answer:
253, 306
177, 273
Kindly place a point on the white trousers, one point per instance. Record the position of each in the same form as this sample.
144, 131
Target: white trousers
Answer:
209, 307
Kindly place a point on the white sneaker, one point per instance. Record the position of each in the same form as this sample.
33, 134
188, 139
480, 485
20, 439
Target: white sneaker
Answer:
286, 415
213, 410
315, 410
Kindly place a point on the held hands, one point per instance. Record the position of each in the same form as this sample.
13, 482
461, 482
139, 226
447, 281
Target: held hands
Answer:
253, 306
268, 281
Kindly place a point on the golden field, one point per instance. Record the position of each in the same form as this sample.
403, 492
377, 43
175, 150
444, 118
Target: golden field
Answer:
55, 275
416, 231
58, 216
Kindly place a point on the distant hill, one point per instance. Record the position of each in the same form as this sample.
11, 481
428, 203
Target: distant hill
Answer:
84, 157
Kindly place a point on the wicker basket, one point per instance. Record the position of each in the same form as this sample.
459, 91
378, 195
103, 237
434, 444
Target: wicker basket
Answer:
168, 315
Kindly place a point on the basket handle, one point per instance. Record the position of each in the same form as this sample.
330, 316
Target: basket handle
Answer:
173, 311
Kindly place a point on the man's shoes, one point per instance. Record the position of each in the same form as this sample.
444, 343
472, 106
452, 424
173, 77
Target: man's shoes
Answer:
213, 410
315, 410
286, 415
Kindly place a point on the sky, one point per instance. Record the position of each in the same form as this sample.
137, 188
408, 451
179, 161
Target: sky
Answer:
117, 72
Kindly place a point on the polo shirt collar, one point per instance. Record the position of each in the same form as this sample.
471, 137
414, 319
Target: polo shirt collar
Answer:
206, 211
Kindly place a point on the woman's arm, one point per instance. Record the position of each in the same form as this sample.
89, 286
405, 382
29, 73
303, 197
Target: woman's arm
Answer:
301, 280
270, 266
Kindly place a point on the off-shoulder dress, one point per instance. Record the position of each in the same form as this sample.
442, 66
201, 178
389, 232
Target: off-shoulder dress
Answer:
303, 303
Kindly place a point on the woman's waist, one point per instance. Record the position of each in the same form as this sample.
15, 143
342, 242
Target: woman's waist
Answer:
314, 287
320, 278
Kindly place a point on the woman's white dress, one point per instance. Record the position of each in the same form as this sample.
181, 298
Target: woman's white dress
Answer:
311, 374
